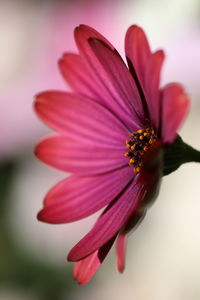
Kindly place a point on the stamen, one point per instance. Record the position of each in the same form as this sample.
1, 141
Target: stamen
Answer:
139, 143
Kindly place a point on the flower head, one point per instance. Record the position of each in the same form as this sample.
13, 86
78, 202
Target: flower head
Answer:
111, 132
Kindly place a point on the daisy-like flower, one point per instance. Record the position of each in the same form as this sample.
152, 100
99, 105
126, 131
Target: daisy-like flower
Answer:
112, 135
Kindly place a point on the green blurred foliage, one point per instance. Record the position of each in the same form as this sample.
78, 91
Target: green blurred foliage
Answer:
19, 269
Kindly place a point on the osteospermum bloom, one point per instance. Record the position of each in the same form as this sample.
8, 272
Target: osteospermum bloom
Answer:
112, 131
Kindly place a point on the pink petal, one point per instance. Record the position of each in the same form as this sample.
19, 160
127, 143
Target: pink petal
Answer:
73, 70
175, 106
152, 82
83, 32
121, 251
110, 95
83, 159
137, 50
114, 71
75, 73
109, 223
79, 78
78, 197
133, 222
85, 269
80, 118
145, 67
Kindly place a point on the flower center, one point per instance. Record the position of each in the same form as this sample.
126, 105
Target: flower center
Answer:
139, 143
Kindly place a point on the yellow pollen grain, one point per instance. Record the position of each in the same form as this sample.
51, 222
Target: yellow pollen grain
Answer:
131, 161
136, 170
138, 144
150, 141
126, 154
139, 131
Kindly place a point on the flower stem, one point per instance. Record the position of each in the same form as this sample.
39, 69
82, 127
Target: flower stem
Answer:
177, 154
190, 154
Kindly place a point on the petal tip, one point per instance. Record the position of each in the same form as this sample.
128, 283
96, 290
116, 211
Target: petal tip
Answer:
134, 27
37, 150
74, 256
37, 100
70, 257
77, 30
135, 30
121, 268
61, 60
44, 216
40, 215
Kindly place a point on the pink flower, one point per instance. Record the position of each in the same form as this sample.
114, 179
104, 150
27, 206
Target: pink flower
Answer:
111, 134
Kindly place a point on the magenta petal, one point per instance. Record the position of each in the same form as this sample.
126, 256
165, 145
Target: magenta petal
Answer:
80, 118
122, 85
85, 269
133, 222
109, 223
80, 79
66, 155
75, 73
147, 67
83, 32
137, 50
151, 87
175, 106
121, 251
78, 197
111, 95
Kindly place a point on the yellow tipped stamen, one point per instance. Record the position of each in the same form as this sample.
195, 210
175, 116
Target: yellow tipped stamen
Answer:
133, 147
136, 170
139, 143
126, 154
139, 131
131, 161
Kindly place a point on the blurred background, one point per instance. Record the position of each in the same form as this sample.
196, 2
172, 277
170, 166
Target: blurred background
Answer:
163, 260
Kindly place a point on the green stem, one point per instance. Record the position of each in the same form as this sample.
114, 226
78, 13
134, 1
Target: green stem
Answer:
190, 154
177, 154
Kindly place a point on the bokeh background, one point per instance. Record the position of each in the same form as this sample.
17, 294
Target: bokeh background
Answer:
163, 261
